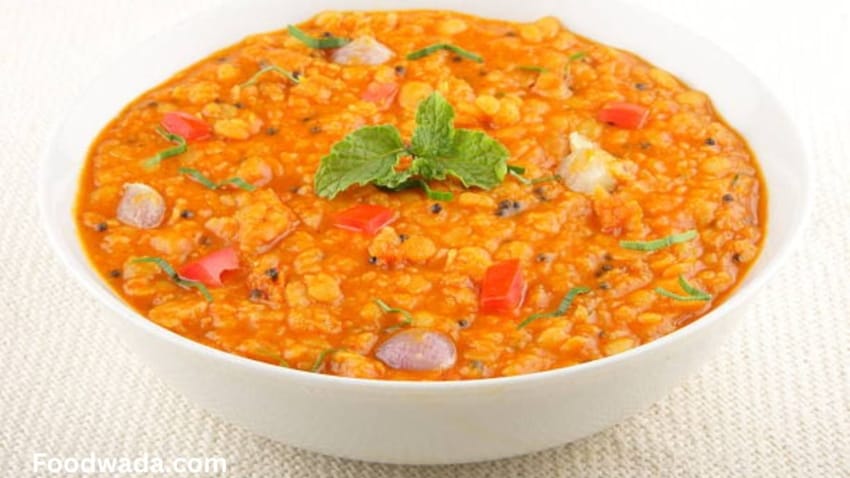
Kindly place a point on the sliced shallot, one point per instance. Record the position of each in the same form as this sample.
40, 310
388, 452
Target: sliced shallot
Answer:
418, 350
141, 206
362, 51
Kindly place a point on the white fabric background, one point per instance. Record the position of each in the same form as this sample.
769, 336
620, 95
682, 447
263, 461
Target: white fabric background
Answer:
775, 402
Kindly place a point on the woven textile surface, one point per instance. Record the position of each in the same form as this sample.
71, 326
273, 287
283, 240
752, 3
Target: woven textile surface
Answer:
774, 402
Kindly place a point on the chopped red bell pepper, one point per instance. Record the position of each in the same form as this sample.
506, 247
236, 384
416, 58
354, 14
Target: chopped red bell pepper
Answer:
503, 288
366, 218
190, 127
624, 115
383, 94
208, 269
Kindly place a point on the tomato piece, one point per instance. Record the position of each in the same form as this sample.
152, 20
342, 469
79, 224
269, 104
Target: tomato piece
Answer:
383, 94
503, 288
624, 115
366, 218
208, 269
190, 127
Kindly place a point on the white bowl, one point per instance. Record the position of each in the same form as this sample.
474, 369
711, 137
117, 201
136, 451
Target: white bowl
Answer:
438, 422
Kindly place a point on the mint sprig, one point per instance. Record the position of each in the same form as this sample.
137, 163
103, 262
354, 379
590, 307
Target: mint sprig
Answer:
370, 155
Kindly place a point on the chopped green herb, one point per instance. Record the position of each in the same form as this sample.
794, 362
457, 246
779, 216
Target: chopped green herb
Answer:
320, 360
694, 294
170, 272
284, 363
691, 290
565, 304
408, 317
660, 243
166, 153
578, 56
393, 310
162, 263
370, 155
239, 183
256, 76
519, 171
322, 43
436, 195
514, 171
532, 68
199, 177
395, 327
546, 179
735, 180
267, 352
422, 53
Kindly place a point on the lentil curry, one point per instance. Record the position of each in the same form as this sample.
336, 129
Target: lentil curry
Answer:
421, 196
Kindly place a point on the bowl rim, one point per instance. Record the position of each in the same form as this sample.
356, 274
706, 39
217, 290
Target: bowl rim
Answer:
116, 305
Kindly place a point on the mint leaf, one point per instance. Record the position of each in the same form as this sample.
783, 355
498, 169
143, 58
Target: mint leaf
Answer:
434, 131
367, 155
475, 159
396, 180
370, 155
481, 160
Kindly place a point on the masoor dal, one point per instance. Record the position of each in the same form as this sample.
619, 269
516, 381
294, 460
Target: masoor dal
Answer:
607, 154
